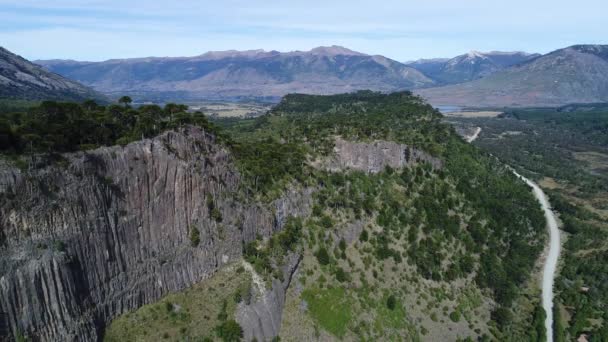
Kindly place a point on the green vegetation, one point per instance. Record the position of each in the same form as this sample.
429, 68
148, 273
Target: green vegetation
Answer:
11, 105
195, 237
566, 152
229, 331
262, 256
471, 220
330, 308
200, 313
273, 150
386, 256
64, 127
391, 302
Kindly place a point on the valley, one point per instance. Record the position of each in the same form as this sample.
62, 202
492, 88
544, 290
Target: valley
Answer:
553, 249
316, 195
562, 150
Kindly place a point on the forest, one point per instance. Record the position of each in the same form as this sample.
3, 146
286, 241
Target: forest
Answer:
499, 225
565, 150
53, 127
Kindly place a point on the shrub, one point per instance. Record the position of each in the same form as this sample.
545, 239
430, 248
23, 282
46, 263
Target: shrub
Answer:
364, 235
342, 245
322, 256
223, 315
326, 221
341, 276
391, 302
59, 246
229, 331
195, 237
214, 212
216, 215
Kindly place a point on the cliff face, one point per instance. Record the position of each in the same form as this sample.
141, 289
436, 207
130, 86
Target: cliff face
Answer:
374, 157
103, 232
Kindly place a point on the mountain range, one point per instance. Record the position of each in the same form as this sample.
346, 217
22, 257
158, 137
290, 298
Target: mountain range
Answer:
470, 66
576, 74
254, 73
21, 79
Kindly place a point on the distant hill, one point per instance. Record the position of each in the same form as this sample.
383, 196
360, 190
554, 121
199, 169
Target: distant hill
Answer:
255, 73
577, 74
22, 80
470, 66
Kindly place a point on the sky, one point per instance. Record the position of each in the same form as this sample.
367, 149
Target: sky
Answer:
404, 30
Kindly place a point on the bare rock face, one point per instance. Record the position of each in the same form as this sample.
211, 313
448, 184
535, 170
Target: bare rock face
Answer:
375, 157
107, 231
261, 319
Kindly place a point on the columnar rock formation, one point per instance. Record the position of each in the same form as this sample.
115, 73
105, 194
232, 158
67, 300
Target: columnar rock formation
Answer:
95, 234
87, 236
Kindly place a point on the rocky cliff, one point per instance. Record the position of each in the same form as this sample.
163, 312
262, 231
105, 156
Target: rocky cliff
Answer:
99, 233
375, 156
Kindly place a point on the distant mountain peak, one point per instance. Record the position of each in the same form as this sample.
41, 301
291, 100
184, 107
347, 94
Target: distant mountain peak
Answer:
470, 66
476, 54
594, 49
335, 50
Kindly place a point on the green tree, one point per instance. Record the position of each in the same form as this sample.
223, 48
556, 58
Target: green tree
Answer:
229, 331
391, 302
125, 101
323, 256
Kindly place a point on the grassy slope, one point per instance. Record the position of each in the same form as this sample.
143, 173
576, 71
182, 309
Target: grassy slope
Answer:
188, 315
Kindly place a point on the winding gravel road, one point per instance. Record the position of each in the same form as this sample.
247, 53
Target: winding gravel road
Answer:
552, 257
554, 247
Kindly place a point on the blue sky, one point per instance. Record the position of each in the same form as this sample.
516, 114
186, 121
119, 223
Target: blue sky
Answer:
402, 30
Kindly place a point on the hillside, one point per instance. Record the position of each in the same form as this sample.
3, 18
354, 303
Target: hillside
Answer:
234, 74
353, 216
565, 151
577, 74
23, 80
470, 66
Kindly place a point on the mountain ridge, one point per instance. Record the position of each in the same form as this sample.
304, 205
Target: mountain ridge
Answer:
252, 73
575, 74
469, 66
24, 80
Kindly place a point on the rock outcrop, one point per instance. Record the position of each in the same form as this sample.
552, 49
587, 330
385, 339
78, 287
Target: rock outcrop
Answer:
375, 157
103, 232
261, 319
